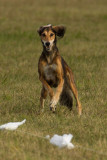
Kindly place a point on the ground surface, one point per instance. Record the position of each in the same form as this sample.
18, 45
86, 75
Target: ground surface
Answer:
84, 47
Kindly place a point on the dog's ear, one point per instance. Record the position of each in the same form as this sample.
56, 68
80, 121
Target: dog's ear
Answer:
40, 30
59, 30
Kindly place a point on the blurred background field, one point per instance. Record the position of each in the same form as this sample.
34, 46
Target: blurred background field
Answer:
84, 47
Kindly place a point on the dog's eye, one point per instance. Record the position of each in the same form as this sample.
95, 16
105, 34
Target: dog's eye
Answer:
51, 34
43, 35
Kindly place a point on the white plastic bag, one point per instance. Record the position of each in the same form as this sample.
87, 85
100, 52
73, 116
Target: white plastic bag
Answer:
12, 125
62, 141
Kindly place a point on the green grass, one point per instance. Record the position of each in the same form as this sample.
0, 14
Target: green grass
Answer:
84, 47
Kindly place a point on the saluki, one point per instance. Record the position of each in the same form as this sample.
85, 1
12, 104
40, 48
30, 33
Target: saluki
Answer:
54, 71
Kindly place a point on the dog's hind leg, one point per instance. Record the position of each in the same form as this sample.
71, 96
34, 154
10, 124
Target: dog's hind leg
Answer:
66, 97
74, 90
43, 97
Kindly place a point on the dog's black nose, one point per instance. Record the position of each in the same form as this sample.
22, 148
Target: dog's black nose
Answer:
47, 44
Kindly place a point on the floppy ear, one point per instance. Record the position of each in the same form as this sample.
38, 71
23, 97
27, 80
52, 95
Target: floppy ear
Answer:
40, 30
59, 30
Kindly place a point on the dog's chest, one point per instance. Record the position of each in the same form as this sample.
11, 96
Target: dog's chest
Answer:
50, 72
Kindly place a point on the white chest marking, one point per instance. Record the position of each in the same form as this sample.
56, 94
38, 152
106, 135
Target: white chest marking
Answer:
49, 71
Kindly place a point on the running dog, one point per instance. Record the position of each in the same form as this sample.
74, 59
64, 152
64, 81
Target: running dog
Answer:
54, 71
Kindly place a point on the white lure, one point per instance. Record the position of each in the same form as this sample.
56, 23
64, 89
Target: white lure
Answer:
62, 141
12, 125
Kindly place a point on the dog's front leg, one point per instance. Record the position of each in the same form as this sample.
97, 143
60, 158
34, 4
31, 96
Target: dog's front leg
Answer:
56, 97
47, 87
42, 98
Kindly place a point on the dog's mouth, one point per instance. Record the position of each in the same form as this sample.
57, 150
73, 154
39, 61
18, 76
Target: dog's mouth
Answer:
48, 48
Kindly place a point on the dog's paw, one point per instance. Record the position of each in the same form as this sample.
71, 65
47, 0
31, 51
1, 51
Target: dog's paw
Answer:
53, 109
53, 105
42, 110
79, 107
79, 111
54, 101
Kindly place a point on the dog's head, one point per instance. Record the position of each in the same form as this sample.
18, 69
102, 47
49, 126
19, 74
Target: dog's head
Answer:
48, 35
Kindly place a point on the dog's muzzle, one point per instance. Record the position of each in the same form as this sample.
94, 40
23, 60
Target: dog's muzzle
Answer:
48, 44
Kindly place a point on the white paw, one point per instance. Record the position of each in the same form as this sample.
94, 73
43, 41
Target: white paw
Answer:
53, 104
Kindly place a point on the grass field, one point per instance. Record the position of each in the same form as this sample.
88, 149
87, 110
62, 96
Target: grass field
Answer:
84, 47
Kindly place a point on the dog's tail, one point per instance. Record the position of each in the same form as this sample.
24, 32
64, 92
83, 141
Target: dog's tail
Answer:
66, 98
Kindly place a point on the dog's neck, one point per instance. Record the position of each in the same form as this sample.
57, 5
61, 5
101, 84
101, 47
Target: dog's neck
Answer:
49, 56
